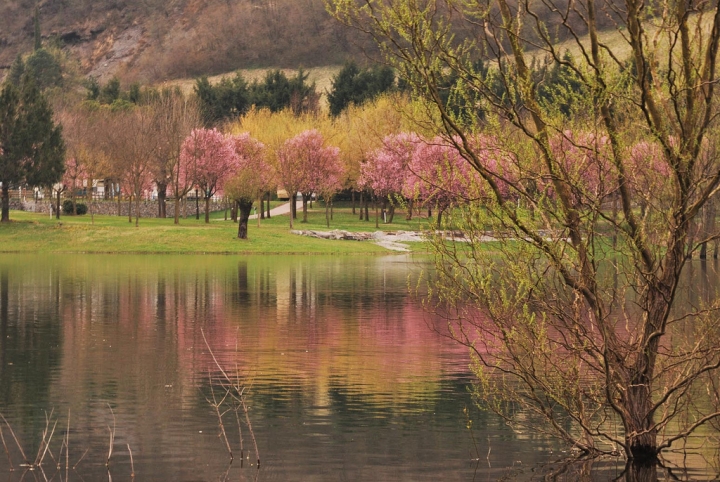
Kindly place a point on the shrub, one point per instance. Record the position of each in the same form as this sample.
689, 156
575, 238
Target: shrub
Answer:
67, 207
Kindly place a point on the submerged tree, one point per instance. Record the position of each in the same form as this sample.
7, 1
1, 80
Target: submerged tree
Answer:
584, 333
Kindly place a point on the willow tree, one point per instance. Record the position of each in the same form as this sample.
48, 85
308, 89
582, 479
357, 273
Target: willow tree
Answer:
578, 318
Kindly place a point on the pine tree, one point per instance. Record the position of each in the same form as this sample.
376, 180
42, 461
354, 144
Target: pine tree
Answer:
353, 85
32, 150
36, 24
17, 69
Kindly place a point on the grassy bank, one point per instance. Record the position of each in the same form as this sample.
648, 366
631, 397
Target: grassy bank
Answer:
37, 233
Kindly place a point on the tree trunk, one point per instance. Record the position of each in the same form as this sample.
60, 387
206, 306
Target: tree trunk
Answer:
362, 200
162, 197
244, 208
327, 212
352, 196
409, 215
639, 472
641, 439
119, 198
377, 225
5, 203
130, 198
262, 207
305, 206
207, 209
74, 203
177, 209
708, 225
137, 209
367, 208
57, 210
234, 212
268, 205
292, 211
391, 213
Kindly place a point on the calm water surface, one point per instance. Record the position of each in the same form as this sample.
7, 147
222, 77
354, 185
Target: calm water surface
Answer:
345, 378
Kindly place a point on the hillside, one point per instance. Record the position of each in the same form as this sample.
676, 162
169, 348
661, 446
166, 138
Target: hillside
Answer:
156, 40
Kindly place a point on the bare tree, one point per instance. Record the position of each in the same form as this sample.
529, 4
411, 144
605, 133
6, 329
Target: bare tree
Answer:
174, 117
588, 336
130, 143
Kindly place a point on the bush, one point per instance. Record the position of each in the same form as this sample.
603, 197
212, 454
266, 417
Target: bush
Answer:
67, 207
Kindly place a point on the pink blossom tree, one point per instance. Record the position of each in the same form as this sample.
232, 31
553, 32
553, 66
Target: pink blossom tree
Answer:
584, 160
501, 166
329, 177
214, 159
251, 178
385, 171
648, 173
307, 166
438, 176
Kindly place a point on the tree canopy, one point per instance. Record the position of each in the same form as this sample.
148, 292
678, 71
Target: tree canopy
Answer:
32, 150
355, 85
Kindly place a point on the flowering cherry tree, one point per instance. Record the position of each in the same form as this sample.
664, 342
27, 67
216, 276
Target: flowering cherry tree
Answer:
438, 176
251, 178
385, 171
212, 157
306, 165
584, 158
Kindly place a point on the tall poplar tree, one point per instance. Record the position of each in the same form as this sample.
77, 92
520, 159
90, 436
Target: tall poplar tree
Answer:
32, 150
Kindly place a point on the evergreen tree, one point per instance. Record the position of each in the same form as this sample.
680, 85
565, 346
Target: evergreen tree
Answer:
93, 89
355, 85
36, 26
559, 85
227, 99
110, 92
17, 69
277, 91
32, 150
44, 68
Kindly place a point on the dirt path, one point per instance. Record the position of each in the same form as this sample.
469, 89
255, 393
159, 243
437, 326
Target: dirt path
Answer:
280, 210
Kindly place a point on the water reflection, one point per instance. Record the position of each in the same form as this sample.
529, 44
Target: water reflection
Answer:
346, 379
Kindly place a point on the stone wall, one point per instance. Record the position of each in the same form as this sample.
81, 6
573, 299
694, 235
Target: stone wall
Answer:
148, 209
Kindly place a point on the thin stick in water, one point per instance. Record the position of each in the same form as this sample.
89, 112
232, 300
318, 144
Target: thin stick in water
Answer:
2, 437
12, 432
132, 463
112, 437
80, 459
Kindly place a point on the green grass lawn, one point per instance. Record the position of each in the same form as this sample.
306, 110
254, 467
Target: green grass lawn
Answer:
37, 233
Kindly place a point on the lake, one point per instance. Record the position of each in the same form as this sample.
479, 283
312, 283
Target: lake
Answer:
345, 376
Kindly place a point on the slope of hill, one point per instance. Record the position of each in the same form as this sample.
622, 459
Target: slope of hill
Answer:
155, 40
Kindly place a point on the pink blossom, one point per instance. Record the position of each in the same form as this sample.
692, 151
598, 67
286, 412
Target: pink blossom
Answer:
438, 174
584, 161
306, 165
253, 175
210, 159
385, 170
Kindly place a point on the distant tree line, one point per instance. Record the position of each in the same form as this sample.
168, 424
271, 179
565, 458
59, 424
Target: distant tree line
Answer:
233, 96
